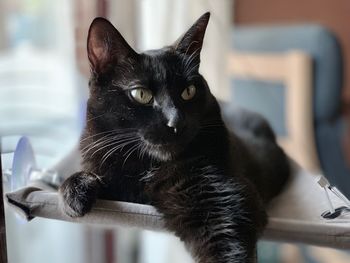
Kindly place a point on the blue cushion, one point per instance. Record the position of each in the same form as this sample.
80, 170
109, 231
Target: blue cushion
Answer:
267, 98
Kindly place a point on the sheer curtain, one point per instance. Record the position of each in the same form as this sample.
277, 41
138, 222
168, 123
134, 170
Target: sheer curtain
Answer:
38, 95
38, 98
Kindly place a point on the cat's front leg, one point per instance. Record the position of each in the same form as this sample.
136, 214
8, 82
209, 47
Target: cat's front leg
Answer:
78, 193
219, 218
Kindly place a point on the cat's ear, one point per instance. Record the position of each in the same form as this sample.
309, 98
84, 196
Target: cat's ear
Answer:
192, 41
105, 45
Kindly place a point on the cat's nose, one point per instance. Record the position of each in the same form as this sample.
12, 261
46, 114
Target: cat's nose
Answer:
176, 127
175, 122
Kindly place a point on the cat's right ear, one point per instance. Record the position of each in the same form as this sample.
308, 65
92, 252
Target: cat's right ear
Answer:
105, 45
191, 42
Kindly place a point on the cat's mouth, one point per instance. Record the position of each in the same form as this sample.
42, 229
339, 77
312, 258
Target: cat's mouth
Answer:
166, 147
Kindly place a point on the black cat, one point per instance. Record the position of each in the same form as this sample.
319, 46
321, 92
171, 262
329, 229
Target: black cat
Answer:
154, 134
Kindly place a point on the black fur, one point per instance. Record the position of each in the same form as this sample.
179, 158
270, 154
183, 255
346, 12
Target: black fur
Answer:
211, 184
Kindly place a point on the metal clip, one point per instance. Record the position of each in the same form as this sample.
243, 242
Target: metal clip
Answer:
333, 212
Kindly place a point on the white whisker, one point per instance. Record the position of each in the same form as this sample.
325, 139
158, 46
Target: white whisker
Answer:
117, 141
119, 130
131, 150
105, 143
114, 149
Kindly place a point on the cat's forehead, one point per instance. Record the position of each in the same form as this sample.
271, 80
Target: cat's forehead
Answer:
161, 58
160, 65
154, 68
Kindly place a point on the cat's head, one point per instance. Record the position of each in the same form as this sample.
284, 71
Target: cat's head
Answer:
157, 95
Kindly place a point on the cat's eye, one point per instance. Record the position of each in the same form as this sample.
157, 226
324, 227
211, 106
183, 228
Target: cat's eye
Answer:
189, 92
141, 95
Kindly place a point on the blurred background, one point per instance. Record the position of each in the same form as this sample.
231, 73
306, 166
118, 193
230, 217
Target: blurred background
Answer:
288, 60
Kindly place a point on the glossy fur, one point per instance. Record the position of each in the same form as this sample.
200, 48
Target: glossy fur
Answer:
211, 184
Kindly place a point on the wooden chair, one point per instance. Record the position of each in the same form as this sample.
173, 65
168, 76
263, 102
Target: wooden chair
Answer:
294, 69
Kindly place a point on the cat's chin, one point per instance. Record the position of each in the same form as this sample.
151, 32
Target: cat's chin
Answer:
158, 151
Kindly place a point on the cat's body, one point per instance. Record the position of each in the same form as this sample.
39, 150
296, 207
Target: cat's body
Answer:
155, 135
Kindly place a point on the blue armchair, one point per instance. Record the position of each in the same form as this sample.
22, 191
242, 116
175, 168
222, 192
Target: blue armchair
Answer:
269, 97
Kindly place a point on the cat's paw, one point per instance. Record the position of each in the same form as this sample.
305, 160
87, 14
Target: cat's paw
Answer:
78, 194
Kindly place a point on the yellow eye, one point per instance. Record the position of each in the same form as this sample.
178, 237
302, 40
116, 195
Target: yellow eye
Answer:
141, 95
189, 92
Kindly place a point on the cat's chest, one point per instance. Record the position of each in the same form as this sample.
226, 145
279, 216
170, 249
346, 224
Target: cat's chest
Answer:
133, 169
125, 183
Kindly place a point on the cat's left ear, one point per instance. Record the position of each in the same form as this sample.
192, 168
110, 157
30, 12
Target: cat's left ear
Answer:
106, 45
192, 41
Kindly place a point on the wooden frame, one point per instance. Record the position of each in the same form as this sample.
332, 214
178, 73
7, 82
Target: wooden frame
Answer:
3, 246
294, 69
